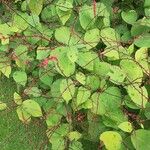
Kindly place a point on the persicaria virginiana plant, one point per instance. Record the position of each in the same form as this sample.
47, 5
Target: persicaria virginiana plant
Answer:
82, 67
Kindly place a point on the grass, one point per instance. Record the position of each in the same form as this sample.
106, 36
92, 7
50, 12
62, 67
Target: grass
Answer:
13, 134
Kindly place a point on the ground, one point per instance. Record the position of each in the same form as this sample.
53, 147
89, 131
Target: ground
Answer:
13, 134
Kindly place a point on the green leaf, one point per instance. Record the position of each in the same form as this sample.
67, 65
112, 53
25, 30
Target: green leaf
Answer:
86, 60
86, 17
72, 54
5, 66
32, 108
64, 66
143, 41
139, 139
63, 35
53, 119
64, 10
116, 75
126, 126
20, 20
110, 37
138, 95
141, 56
24, 116
92, 38
92, 82
129, 16
33, 91
46, 76
147, 110
74, 135
17, 99
80, 77
3, 106
75, 145
132, 70
107, 101
67, 89
112, 52
20, 77
147, 3
82, 95
111, 139
42, 52
36, 6
101, 68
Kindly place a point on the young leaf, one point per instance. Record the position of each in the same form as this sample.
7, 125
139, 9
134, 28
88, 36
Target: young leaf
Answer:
82, 95
67, 89
17, 99
126, 126
20, 77
36, 6
92, 38
111, 139
32, 108
3, 106
139, 139
129, 16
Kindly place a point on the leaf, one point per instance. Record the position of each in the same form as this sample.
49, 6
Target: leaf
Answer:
80, 77
107, 101
92, 82
32, 108
36, 6
126, 126
63, 35
20, 77
17, 99
129, 16
86, 60
64, 66
42, 53
147, 3
82, 95
72, 54
143, 41
111, 139
139, 139
64, 10
132, 70
67, 89
24, 116
112, 52
138, 95
129, 103
3, 106
33, 91
110, 37
75, 145
5, 66
20, 20
141, 56
53, 119
101, 68
116, 75
86, 17
147, 111
57, 138
74, 135
92, 38
46, 76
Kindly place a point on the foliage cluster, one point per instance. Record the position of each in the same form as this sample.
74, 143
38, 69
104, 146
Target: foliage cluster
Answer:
82, 67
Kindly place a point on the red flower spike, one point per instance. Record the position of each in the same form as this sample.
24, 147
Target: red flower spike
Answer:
53, 58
